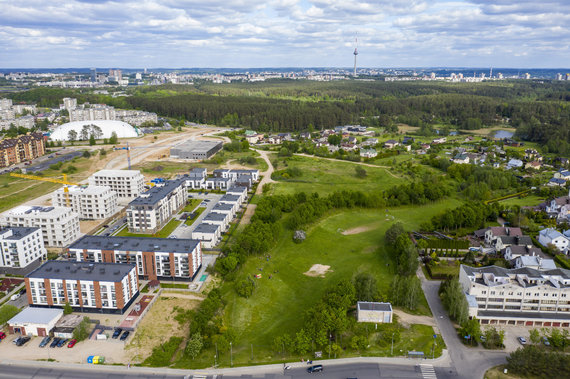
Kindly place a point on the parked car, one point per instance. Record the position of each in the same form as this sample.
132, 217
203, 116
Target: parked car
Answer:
22, 291
15, 296
62, 342
125, 335
315, 368
2, 336
22, 340
522, 340
45, 341
117, 333
545, 341
72, 343
54, 342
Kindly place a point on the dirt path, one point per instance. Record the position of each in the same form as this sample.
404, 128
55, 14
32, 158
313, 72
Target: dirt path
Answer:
387, 168
266, 174
180, 295
249, 211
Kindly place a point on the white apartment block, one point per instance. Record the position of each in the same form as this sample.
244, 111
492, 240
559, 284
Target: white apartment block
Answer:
69, 103
126, 183
522, 296
5, 104
91, 202
93, 113
136, 118
59, 225
21, 246
149, 212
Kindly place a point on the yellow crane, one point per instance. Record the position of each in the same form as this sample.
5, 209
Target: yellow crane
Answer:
63, 181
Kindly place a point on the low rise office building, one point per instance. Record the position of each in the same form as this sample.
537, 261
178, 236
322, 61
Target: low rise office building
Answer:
87, 287
155, 258
126, 183
20, 247
59, 225
90, 202
152, 210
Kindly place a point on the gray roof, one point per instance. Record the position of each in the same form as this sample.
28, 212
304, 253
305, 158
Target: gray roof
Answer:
237, 189
104, 272
169, 245
198, 146
155, 194
230, 198
36, 316
198, 172
215, 217
218, 179
17, 232
371, 306
516, 240
222, 207
206, 228
524, 315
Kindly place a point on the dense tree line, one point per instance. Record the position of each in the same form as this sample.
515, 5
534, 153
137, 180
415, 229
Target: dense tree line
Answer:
417, 193
454, 301
471, 215
538, 362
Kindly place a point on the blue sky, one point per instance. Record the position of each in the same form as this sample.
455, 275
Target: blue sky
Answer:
284, 33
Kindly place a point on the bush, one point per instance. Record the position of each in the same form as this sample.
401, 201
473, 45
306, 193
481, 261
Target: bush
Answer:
162, 354
245, 287
82, 331
538, 362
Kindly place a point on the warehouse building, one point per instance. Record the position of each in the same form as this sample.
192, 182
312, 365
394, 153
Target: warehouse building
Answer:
87, 287
34, 322
155, 258
196, 149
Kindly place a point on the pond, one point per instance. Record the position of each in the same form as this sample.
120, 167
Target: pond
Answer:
503, 134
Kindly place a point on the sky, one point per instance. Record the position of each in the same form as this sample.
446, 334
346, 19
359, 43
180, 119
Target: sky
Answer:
284, 33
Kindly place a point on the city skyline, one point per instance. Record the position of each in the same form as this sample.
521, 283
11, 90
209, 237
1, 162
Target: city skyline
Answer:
284, 33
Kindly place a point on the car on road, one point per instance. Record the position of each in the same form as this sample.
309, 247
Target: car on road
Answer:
2, 336
62, 342
125, 335
117, 333
72, 343
45, 341
21, 340
545, 341
315, 368
522, 340
54, 342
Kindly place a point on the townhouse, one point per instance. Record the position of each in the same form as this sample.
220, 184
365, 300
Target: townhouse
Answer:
208, 234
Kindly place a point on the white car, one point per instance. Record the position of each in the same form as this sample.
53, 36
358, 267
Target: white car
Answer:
522, 340
15, 296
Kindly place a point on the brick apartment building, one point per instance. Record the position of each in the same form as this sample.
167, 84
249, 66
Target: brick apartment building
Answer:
21, 149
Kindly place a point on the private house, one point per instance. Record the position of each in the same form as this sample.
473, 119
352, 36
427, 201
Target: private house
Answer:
535, 165
374, 312
493, 232
562, 174
229, 209
460, 159
241, 192
390, 144
222, 219
196, 179
553, 237
534, 262
368, 153
514, 163
503, 242
218, 183
514, 251
556, 182
439, 140
370, 142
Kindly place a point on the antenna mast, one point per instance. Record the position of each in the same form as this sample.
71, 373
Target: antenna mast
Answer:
355, 54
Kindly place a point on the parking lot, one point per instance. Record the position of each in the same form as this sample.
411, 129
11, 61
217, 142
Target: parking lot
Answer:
209, 200
511, 335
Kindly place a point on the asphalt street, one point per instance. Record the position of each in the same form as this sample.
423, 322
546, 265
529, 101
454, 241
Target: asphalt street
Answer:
8, 371
210, 200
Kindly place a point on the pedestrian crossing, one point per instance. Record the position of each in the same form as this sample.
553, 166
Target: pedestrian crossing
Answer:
428, 371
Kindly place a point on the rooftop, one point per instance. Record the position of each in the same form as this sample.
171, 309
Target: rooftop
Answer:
222, 207
16, 233
198, 146
206, 228
212, 216
104, 272
36, 316
155, 194
168, 245
372, 306
230, 198
35, 210
117, 173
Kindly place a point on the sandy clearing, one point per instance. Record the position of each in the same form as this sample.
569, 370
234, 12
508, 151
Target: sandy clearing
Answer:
357, 230
407, 319
318, 270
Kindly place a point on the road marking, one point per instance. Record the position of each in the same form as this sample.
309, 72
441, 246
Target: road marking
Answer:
428, 371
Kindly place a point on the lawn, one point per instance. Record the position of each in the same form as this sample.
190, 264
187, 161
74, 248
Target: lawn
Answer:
324, 176
278, 304
163, 233
445, 267
525, 201
193, 203
197, 213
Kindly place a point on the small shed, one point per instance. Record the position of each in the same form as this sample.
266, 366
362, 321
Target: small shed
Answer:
374, 312
35, 321
67, 325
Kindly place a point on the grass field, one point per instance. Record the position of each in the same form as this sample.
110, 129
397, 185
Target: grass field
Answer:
527, 201
324, 176
278, 304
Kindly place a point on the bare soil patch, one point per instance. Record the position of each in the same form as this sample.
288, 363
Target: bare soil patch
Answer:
318, 270
357, 230
249, 211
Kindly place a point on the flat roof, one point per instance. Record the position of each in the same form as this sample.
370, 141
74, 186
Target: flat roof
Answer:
155, 194
68, 270
117, 173
150, 244
37, 210
206, 228
372, 306
222, 207
197, 146
17, 232
36, 316
213, 216
230, 198
237, 189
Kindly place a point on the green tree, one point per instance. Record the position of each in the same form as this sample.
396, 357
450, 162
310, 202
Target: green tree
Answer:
393, 232
302, 342
365, 286
81, 332
92, 141
67, 309
471, 328
360, 172
86, 154
113, 140
194, 345
72, 135
245, 287
334, 139
535, 337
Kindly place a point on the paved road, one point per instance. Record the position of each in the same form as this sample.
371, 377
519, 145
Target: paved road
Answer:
8, 371
465, 362
185, 231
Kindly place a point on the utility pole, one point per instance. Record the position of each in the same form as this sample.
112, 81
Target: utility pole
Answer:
216, 356
392, 349
231, 356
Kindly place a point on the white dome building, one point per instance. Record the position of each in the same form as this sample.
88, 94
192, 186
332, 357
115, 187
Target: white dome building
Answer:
106, 127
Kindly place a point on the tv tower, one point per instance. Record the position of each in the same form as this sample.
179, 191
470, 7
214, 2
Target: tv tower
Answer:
355, 54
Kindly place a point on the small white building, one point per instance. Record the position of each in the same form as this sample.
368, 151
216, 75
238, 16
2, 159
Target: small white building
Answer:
196, 179
552, 236
91, 202
238, 191
222, 219
21, 246
374, 312
126, 183
230, 209
209, 234
34, 321
368, 153
233, 200
59, 225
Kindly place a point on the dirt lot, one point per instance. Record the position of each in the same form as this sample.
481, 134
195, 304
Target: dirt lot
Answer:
158, 325
318, 270
358, 230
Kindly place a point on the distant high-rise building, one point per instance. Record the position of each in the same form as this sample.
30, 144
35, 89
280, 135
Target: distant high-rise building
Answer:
93, 75
138, 76
145, 71
559, 76
527, 76
115, 75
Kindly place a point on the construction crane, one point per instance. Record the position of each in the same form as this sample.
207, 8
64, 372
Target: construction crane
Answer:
63, 181
128, 153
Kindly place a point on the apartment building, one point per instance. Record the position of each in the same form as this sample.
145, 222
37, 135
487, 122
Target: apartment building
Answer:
521, 296
59, 225
155, 258
21, 149
149, 212
90, 202
20, 247
87, 287
92, 113
127, 184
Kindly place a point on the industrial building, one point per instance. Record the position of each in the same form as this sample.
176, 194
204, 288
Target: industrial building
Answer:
90, 202
195, 149
59, 225
155, 258
126, 183
87, 287
20, 247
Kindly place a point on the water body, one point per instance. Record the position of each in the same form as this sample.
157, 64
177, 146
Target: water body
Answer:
503, 134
